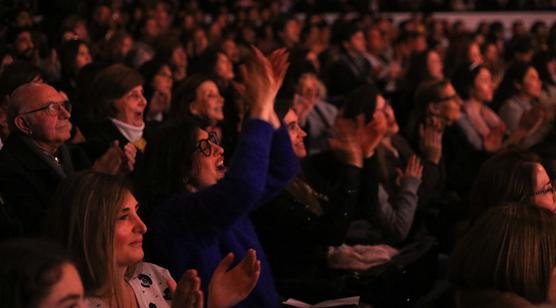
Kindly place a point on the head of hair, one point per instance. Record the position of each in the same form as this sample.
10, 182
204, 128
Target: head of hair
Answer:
68, 53
111, 84
149, 70
511, 248
428, 92
418, 70
507, 176
464, 79
83, 219
362, 100
540, 62
507, 88
168, 160
30, 267
457, 53
185, 94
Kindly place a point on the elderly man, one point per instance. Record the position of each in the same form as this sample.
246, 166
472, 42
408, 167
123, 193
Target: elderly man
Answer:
35, 157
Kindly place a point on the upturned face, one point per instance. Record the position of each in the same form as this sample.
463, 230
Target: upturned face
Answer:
208, 102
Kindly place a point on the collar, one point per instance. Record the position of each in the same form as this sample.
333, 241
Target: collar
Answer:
131, 133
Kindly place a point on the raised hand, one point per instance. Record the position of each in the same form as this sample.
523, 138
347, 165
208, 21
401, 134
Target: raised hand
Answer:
187, 294
229, 287
414, 169
430, 139
128, 159
263, 78
494, 140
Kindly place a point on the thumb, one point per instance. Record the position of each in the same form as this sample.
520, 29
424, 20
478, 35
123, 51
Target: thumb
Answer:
224, 264
172, 285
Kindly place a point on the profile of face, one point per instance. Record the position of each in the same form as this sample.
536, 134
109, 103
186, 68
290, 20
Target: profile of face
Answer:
83, 56
49, 126
375, 41
483, 87
383, 106
297, 135
66, 292
223, 67
434, 65
474, 54
130, 108
448, 106
208, 102
531, 84
208, 162
232, 51
128, 233
544, 195
292, 30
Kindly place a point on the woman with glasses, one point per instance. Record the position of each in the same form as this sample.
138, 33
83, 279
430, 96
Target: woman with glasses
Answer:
198, 207
512, 176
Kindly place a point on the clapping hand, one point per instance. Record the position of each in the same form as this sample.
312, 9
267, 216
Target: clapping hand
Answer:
116, 159
188, 292
263, 78
414, 168
430, 139
229, 287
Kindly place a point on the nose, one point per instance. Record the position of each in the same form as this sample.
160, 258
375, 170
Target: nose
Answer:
140, 226
64, 113
218, 150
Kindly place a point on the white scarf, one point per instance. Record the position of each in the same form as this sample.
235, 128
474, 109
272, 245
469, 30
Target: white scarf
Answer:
131, 133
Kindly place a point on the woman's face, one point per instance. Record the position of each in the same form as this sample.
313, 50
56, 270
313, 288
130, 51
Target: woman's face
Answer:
208, 162
544, 195
128, 233
67, 292
308, 89
223, 67
130, 108
474, 54
83, 56
297, 135
531, 84
483, 87
179, 57
386, 109
208, 102
447, 107
163, 81
434, 65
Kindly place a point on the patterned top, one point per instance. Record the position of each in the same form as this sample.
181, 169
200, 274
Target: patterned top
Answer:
150, 285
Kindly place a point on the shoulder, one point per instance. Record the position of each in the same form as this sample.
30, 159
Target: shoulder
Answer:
150, 284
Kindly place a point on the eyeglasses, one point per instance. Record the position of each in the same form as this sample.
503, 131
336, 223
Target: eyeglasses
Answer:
52, 108
547, 190
204, 145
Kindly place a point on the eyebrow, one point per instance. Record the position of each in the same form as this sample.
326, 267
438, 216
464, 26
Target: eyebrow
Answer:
69, 297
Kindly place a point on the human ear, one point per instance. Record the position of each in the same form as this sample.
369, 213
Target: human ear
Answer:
22, 125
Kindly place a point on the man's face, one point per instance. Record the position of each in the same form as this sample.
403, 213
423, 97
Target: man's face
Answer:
49, 126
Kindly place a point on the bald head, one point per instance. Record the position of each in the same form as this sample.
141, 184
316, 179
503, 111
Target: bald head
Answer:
30, 96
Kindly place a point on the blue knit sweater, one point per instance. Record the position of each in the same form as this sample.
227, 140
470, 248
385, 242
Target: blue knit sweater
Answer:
197, 230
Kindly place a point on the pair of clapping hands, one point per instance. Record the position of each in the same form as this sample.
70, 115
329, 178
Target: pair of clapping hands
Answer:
226, 287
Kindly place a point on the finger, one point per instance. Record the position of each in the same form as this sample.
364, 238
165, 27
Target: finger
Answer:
172, 285
248, 263
199, 299
224, 264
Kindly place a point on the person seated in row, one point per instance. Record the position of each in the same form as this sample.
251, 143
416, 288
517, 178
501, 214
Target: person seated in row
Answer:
95, 217
200, 209
35, 157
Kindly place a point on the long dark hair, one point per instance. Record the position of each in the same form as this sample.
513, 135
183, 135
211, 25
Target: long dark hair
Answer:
30, 267
514, 74
505, 177
168, 160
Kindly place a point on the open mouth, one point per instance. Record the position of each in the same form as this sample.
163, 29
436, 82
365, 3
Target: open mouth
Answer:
220, 166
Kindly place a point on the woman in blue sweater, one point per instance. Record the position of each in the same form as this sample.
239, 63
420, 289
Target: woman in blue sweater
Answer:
200, 211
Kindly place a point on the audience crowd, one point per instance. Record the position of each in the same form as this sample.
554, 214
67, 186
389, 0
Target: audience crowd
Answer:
189, 154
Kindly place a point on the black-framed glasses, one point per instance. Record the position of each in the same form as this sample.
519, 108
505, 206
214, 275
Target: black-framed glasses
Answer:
204, 145
52, 108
